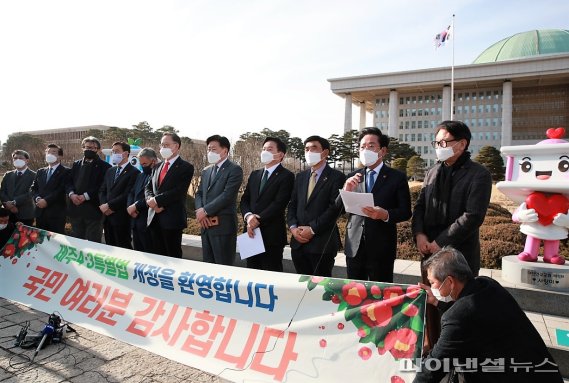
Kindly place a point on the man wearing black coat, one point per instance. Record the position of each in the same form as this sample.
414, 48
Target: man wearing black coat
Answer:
137, 208
312, 212
83, 185
113, 196
452, 204
166, 195
484, 330
48, 191
264, 202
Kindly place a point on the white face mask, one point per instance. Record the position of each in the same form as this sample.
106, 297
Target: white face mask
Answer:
3, 226
266, 157
50, 158
116, 158
312, 158
368, 157
444, 154
166, 153
437, 294
18, 164
213, 158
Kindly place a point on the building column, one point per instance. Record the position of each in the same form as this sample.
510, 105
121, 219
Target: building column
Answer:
506, 113
348, 113
393, 122
446, 112
362, 115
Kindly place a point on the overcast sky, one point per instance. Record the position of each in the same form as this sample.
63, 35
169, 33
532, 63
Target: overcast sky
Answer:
227, 66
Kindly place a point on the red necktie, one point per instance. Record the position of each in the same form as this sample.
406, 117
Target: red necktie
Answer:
163, 173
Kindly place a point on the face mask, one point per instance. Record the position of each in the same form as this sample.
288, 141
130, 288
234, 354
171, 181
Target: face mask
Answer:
437, 294
19, 163
266, 157
50, 158
3, 226
312, 158
116, 158
444, 154
368, 157
147, 169
213, 158
89, 154
166, 153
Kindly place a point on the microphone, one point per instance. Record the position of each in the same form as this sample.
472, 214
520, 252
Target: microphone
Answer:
47, 331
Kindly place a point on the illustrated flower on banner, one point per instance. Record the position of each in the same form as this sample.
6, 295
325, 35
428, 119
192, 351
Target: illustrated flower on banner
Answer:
400, 343
23, 239
386, 315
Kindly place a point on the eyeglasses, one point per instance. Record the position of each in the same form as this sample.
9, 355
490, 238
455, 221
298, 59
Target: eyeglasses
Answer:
441, 143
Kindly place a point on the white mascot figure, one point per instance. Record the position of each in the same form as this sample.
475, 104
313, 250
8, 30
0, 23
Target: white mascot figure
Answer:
537, 177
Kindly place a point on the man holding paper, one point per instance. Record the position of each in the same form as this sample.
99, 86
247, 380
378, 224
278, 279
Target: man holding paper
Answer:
371, 237
264, 203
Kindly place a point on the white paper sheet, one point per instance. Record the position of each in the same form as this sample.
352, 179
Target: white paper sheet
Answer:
250, 246
354, 202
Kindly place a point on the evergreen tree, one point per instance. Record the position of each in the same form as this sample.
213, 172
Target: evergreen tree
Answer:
416, 168
491, 158
400, 164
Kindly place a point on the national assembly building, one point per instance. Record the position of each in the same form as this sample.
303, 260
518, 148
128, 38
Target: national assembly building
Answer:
510, 95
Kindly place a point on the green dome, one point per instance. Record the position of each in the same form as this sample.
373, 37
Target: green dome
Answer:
527, 44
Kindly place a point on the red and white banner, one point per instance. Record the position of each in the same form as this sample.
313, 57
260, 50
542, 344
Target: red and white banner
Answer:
240, 324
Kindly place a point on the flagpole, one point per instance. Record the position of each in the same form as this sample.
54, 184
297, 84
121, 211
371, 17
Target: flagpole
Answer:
452, 72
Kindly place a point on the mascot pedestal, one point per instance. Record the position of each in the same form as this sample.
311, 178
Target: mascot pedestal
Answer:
537, 275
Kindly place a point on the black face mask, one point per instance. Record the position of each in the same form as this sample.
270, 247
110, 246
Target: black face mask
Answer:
147, 169
89, 154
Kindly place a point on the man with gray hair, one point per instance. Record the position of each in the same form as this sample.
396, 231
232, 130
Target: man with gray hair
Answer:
485, 335
137, 207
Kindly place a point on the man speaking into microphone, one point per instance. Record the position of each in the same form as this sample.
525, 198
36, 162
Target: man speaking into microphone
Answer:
371, 237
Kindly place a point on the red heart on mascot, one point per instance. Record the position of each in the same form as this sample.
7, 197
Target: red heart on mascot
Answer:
547, 207
555, 133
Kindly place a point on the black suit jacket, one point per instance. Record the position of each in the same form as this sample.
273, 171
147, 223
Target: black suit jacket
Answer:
53, 191
270, 204
470, 196
319, 212
171, 194
90, 208
136, 196
391, 192
20, 193
487, 323
116, 193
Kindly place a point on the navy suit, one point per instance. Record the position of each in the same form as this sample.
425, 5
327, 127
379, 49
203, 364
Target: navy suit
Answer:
218, 197
114, 192
141, 238
270, 205
86, 218
18, 190
52, 217
320, 213
166, 227
371, 245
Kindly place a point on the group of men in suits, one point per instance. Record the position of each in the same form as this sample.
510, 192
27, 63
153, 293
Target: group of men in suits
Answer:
313, 205
117, 198
152, 204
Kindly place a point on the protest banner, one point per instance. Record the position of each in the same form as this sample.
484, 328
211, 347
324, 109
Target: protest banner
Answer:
240, 324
